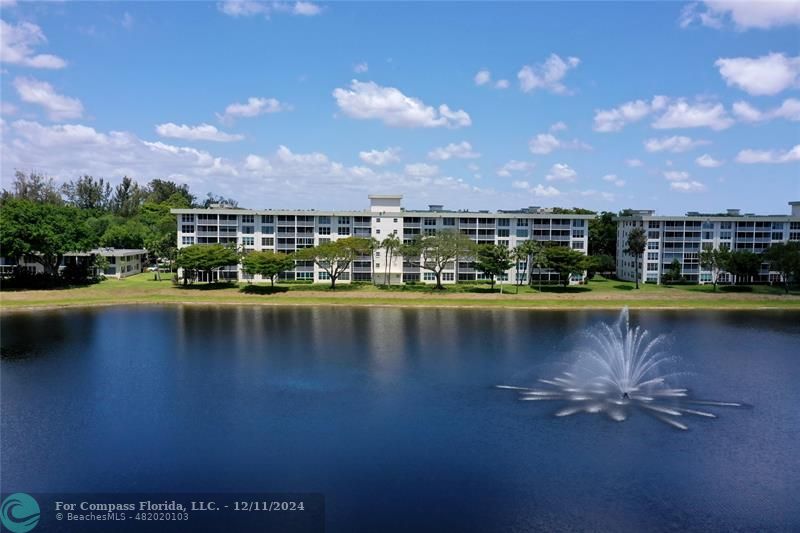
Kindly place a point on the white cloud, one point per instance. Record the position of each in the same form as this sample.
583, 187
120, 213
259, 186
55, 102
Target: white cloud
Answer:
612, 178
18, 43
558, 126
515, 166
368, 100
561, 172
681, 114
789, 110
57, 106
202, 132
360, 68
547, 75
675, 144
707, 161
687, 186
502, 84
538, 190
544, 143
765, 75
608, 196
249, 8
421, 170
462, 150
7, 108
744, 14
769, 156
608, 120
676, 175
252, 108
482, 77
633, 163
380, 158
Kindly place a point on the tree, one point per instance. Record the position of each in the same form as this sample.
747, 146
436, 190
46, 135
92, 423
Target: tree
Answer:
335, 257
603, 235
493, 260
267, 264
673, 273
390, 245
206, 258
211, 199
374, 245
43, 231
437, 252
88, 193
35, 188
163, 191
127, 199
636, 245
603, 263
743, 264
715, 261
784, 258
565, 261
128, 234
520, 255
534, 256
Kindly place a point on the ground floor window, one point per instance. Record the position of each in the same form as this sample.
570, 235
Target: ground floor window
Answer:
428, 276
448, 276
324, 276
305, 275
410, 278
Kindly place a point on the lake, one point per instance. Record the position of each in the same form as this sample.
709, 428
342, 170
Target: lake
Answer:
392, 415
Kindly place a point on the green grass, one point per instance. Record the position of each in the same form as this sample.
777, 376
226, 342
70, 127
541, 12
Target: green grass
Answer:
598, 293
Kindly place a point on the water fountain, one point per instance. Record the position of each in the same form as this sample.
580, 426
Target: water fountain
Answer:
619, 370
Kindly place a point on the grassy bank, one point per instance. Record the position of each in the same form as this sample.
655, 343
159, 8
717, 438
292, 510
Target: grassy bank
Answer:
599, 293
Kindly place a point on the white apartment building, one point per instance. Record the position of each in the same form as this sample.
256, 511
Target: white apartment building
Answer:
683, 237
289, 230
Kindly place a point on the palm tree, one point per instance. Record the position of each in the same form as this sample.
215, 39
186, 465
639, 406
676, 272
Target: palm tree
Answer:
374, 245
637, 244
539, 259
390, 244
519, 254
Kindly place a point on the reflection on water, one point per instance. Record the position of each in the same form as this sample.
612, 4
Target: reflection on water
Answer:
391, 410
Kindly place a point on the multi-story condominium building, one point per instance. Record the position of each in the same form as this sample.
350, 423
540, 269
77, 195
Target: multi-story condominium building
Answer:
290, 230
683, 237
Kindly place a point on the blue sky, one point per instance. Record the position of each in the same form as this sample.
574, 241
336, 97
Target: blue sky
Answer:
668, 106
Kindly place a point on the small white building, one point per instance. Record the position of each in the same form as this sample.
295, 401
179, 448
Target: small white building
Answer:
122, 262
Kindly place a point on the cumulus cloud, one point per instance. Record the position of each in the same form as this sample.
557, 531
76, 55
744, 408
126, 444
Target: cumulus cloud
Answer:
765, 75
762, 14
515, 166
250, 8
687, 186
676, 144
18, 43
676, 175
612, 178
360, 68
252, 108
544, 143
682, 114
482, 77
462, 150
380, 158
538, 190
608, 120
202, 132
558, 126
57, 106
749, 156
502, 84
561, 172
368, 100
707, 161
789, 110
547, 75
423, 170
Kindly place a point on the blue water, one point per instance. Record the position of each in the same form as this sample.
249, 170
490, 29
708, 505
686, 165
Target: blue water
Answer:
391, 414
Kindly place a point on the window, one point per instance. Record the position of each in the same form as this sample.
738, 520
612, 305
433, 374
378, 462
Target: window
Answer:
430, 221
324, 276
324, 240
577, 234
522, 222
377, 232
187, 218
653, 225
448, 276
448, 222
503, 243
652, 246
725, 234
344, 230
344, 220
777, 236
248, 219
323, 220
187, 229
503, 233
187, 240
428, 276
523, 233
248, 229
577, 245
324, 231
652, 256
267, 241
304, 275
268, 229
578, 223
248, 241
725, 225
394, 220
503, 222
267, 219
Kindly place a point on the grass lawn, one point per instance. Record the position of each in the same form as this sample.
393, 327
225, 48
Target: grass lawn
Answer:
598, 293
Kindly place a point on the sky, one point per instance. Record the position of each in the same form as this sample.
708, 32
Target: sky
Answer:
669, 106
